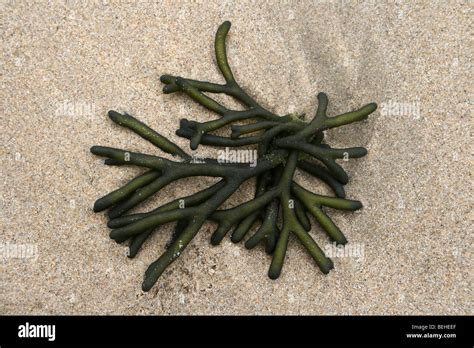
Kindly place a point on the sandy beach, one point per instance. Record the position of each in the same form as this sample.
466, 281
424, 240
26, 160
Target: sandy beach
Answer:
65, 64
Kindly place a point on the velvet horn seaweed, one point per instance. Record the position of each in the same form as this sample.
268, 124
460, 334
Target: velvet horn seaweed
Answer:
280, 206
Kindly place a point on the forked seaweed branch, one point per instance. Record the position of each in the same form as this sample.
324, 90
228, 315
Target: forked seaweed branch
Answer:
280, 206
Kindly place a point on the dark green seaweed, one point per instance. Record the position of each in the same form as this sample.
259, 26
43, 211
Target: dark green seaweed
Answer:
280, 207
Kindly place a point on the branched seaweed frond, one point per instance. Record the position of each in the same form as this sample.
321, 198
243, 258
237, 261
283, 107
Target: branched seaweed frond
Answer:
280, 207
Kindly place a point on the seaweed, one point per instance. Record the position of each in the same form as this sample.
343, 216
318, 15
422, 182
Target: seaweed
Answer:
280, 206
